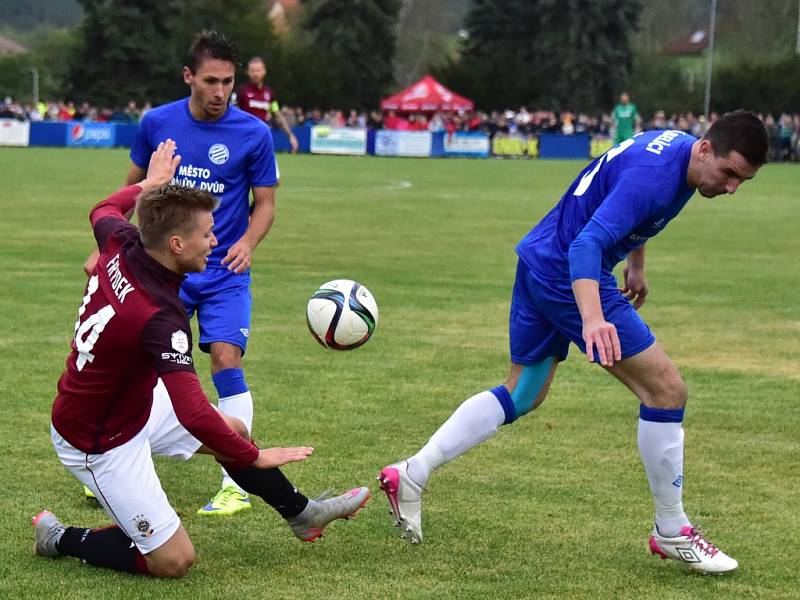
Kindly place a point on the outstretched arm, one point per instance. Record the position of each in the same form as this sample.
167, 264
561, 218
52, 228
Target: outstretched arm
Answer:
208, 425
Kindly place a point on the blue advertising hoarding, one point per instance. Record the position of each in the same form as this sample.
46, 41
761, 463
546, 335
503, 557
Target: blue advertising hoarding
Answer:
94, 135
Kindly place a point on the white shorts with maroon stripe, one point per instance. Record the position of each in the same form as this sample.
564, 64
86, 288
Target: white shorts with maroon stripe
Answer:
124, 479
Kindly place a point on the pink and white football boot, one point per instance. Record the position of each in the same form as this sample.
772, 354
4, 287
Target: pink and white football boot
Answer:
694, 550
405, 500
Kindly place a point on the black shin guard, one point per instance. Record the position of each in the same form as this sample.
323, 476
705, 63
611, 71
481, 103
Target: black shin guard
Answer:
107, 547
273, 487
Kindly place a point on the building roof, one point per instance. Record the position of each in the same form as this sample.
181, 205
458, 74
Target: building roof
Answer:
9, 46
693, 42
281, 12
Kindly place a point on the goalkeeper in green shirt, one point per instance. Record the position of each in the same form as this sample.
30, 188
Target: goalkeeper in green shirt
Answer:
625, 118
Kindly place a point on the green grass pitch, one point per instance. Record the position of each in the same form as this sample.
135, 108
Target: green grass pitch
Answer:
556, 506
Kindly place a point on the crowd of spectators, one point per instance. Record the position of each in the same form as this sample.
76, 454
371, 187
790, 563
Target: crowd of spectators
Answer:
60, 110
783, 129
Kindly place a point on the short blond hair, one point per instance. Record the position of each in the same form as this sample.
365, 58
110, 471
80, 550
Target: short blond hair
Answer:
170, 209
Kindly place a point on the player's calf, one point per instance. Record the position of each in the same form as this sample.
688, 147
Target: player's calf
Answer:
526, 388
474, 421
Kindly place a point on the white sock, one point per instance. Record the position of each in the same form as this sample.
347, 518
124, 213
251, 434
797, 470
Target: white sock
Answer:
241, 407
476, 420
661, 448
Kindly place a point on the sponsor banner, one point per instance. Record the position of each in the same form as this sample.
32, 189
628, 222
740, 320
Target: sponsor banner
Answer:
599, 146
466, 144
93, 135
556, 145
14, 133
330, 140
403, 143
515, 146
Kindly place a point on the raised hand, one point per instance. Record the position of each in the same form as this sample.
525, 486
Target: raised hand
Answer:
163, 163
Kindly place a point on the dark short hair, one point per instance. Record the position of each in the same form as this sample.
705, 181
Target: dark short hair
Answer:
170, 209
742, 131
210, 44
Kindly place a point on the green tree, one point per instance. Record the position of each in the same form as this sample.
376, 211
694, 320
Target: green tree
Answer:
135, 49
766, 86
127, 49
659, 83
566, 54
422, 39
50, 57
354, 43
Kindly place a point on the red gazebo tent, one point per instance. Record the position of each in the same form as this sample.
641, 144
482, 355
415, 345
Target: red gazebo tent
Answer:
426, 95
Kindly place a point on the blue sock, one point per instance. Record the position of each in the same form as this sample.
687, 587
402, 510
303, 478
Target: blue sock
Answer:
229, 382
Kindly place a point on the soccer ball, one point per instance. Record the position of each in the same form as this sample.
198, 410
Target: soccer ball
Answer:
342, 314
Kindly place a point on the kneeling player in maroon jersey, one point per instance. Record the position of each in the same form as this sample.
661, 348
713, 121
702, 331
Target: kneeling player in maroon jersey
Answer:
130, 390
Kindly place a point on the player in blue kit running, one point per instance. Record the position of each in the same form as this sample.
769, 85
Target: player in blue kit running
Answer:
565, 292
228, 153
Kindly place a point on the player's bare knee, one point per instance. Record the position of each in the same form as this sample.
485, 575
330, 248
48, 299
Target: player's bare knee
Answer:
174, 566
225, 356
237, 425
180, 567
679, 393
671, 394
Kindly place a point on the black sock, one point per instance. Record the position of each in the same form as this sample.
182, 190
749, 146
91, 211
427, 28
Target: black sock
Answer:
273, 487
107, 547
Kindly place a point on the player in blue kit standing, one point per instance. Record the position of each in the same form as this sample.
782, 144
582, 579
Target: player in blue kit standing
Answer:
565, 292
228, 153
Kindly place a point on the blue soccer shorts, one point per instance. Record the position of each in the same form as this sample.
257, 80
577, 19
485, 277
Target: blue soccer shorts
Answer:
223, 302
544, 319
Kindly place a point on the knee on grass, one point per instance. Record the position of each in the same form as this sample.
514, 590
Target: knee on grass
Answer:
173, 566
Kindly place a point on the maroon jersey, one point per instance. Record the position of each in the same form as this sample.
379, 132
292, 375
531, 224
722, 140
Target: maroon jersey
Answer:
258, 101
132, 328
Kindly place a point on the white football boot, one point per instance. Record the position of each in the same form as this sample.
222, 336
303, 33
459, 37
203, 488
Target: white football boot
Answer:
405, 500
48, 530
318, 513
694, 550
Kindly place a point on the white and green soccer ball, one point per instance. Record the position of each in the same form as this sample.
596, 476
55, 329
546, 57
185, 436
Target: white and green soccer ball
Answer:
342, 314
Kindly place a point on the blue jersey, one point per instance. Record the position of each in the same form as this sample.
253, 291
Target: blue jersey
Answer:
614, 206
226, 157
